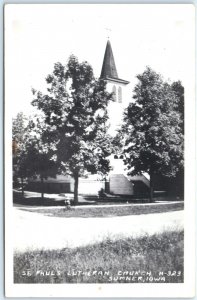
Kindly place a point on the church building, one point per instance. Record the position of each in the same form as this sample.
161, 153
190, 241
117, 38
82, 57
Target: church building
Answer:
118, 86
118, 182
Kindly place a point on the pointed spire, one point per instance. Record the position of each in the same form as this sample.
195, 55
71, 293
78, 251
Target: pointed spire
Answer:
109, 67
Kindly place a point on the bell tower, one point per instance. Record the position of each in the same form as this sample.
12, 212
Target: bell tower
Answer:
116, 86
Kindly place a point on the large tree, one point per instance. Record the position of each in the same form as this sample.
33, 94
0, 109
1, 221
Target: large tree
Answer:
19, 125
75, 108
32, 155
152, 130
40, 156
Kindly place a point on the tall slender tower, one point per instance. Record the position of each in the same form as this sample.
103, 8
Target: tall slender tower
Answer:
118, 182
117, 86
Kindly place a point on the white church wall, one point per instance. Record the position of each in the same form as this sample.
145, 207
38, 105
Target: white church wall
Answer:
116, 108
120, 185
90, 187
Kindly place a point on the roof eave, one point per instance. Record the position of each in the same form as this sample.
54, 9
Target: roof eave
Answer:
117, 80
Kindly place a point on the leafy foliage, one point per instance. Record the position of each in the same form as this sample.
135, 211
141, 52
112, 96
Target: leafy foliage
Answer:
18, 139
152, 130
75, 108
179, 91
32, 156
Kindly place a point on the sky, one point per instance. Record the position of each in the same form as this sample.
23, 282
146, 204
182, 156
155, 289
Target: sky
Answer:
37, 36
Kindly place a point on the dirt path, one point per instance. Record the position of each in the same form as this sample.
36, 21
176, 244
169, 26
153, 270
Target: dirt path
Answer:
35, 231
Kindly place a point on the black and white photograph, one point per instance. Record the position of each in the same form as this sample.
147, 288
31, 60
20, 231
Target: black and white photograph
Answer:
99, 150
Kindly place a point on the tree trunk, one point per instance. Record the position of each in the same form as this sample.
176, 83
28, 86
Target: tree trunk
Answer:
76, 178
151, 188
22, 187
42, 187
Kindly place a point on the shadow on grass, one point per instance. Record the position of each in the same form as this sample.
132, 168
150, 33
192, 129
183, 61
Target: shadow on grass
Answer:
86, 200
58, 200
35, 199
39, 202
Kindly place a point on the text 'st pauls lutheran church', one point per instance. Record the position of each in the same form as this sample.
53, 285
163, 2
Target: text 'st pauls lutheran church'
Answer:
118, 182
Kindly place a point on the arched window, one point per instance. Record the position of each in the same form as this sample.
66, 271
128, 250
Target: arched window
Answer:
115, 156
120, 94
121, 156
114, 93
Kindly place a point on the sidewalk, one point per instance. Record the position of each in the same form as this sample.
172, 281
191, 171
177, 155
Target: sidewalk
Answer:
36, 231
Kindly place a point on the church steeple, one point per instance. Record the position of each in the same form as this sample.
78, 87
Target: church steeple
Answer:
109, 67
109, 71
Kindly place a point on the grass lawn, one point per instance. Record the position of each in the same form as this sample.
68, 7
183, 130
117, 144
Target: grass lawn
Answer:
157, 258
86, 212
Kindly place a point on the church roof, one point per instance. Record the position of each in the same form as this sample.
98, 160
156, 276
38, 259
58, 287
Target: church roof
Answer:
109, 70
109, 67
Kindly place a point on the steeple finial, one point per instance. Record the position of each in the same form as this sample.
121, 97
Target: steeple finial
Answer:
108, 30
